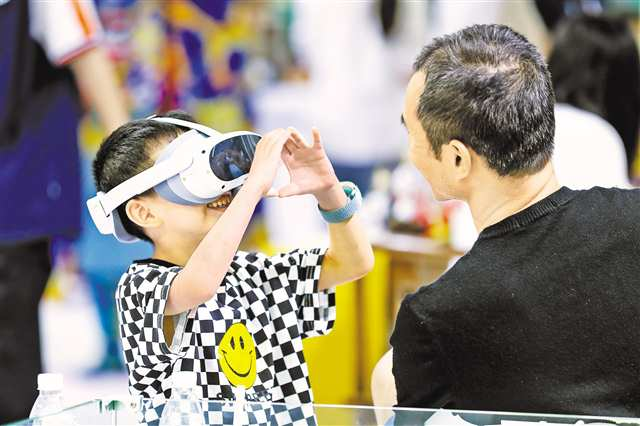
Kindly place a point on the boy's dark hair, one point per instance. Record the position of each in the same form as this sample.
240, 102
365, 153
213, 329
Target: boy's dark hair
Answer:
595, 66
488, 87
126, 152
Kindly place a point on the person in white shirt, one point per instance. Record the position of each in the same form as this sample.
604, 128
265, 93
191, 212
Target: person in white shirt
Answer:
588, 150
595, 70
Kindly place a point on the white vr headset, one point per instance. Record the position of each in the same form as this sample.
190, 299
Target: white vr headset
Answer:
195, 168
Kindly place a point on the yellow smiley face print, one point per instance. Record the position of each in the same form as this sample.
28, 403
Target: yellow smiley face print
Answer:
237, 356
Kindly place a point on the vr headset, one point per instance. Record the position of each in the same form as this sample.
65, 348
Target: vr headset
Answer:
195, 168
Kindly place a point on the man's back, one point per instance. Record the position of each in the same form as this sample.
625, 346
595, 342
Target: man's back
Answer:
542, 315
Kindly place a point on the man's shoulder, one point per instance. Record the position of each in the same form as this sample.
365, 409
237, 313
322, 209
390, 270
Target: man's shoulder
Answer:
616, 195
618, 205
472, 279
458, 285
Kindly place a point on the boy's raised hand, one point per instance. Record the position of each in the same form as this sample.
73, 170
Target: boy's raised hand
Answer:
349, 255
309, 167
266, 159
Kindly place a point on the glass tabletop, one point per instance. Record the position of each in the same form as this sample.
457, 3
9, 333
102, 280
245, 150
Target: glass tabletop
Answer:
136, 411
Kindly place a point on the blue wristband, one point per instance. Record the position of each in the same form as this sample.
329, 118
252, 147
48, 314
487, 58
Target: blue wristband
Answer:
354, 202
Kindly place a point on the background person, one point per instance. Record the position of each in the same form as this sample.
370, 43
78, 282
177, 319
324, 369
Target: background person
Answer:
42, 69
595, 69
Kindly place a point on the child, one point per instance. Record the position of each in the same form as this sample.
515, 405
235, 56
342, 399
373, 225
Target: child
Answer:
236, 319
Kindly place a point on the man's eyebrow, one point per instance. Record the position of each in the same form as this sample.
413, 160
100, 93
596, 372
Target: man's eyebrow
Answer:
402, 121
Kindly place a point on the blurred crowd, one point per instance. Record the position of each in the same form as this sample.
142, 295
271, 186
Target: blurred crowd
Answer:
238, 65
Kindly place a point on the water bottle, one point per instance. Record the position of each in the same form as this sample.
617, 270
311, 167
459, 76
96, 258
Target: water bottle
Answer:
49, 402
184, 407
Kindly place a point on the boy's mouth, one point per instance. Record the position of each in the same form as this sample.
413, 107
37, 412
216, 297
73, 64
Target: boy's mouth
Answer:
222, 202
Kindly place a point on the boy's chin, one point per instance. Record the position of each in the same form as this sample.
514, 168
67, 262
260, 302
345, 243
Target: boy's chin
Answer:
218, 210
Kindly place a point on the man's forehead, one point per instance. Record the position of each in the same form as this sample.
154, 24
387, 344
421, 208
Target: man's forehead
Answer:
414, 90
417, 79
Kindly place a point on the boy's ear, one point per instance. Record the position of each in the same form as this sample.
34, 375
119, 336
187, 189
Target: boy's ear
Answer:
141, 213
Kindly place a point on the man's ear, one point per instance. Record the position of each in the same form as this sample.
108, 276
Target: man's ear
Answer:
141, 213
459, 157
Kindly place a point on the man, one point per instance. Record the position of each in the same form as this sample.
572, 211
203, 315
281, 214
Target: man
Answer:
542, 314
49, 53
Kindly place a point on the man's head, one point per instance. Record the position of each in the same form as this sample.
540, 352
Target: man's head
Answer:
133, 148
480, 101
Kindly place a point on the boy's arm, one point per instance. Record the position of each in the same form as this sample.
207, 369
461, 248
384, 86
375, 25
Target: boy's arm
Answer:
206, 268
349, 256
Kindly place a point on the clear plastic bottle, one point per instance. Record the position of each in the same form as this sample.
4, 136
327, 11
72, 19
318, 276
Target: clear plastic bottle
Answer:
50, 402
184, 408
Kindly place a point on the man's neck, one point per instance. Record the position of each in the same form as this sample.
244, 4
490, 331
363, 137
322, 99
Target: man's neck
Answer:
504, 197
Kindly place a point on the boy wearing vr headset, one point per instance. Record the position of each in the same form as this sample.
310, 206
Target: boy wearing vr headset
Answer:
236, 319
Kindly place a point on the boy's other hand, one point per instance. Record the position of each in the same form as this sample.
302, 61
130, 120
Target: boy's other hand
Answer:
267, 160
310, 170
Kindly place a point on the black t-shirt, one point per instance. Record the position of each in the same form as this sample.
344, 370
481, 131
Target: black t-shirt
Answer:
542, 314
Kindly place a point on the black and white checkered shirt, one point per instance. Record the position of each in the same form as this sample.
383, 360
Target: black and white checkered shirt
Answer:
275, 298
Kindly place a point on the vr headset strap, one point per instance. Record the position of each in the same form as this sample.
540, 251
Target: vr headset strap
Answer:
188, 124
144, 181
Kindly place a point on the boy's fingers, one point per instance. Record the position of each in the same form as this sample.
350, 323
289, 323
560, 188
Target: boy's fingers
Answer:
286, 152
282, 137
286, 158
294, 144
297, 138
280, 146
269, 136
317, 140
289, 190
275, 142
276, 136
291, 146
272, 192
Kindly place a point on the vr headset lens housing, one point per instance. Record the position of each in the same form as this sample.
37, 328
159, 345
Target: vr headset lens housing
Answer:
232, 158
220, 164
195, 168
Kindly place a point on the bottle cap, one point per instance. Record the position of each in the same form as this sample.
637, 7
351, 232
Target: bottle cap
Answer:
49, 382
239, 393
184, 379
